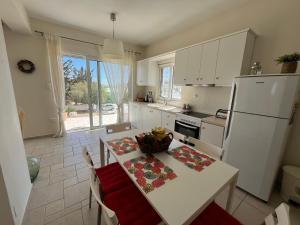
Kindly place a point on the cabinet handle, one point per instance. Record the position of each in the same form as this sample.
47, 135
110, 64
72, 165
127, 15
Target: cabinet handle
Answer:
217, 78
201, 78
197, 78
203, 128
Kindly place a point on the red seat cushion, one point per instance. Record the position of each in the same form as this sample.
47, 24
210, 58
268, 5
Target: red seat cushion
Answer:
215, 215
112, 178
131, 207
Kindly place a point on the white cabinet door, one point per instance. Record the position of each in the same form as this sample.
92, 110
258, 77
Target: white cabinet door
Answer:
208, 63
142, 72
135, 115
193, 64
212, 134
152, 75
151, 118
230, 58
168, 120
180, 69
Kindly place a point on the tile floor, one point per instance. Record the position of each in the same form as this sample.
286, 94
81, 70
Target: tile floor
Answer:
60, 192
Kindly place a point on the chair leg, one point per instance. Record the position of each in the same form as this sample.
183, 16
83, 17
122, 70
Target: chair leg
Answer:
90, 199
99, 215
107, 157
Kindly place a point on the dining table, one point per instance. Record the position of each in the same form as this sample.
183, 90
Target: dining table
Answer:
179, 184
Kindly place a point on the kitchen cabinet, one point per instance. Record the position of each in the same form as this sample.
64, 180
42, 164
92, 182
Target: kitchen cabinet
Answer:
187, 65
180, 69
151, 118
212, 134
234, 57
142, 70
147, 73
168, 120
208, 63
215, 62
135, 115
193, 64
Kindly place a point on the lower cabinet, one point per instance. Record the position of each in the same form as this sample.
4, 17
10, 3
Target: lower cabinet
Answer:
151, 118
212, 134
135, 115
168, 120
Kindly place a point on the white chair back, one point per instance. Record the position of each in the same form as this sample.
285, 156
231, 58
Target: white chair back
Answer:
109, 215
280, 217
87, 157
207, 148
119, 127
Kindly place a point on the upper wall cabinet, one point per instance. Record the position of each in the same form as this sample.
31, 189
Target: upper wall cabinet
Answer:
234, 57
208, 63
215, 62
180, 70
187, 65
146, 72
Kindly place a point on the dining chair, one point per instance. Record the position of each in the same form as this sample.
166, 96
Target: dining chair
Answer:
207, 148
214, 214
279, 217
112, 177
115, 128
126, 206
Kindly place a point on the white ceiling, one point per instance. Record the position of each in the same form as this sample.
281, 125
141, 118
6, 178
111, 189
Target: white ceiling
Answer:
138, 21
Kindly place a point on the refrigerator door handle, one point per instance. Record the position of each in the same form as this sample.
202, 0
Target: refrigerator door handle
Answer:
231, 111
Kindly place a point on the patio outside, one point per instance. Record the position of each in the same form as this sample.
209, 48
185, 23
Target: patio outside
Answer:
87, 91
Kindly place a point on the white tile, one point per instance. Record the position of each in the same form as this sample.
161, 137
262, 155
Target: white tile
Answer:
34, 217
69, 182
54, 207
249, 215
259, 204
74, 218
76, 193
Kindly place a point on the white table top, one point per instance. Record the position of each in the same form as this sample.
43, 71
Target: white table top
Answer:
182, 199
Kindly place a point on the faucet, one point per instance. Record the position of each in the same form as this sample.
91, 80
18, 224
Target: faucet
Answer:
165, 101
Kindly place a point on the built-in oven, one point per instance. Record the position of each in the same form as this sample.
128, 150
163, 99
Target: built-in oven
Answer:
187, 129
189, 124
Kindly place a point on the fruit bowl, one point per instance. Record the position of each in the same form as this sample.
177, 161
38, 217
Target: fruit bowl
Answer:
154, 142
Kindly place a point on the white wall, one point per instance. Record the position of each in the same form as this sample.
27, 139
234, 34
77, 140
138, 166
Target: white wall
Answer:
12, 151
32, 92
5, 211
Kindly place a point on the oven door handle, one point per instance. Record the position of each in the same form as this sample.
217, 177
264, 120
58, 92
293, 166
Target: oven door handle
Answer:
187, 126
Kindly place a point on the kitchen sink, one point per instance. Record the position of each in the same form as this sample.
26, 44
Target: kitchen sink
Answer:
161, 106
155, 105
167, 107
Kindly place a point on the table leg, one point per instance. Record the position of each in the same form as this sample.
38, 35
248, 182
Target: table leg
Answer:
230, 194
102, 160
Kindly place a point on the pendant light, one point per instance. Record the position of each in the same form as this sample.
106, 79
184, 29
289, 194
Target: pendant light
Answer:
112, 48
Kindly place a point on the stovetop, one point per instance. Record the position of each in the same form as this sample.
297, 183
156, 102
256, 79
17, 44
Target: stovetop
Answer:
193, 118
197, 114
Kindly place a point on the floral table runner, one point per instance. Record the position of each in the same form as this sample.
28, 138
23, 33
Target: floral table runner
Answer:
150, 172
123, 145
191, 158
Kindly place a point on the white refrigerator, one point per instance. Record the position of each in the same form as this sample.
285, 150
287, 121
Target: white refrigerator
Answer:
261, 112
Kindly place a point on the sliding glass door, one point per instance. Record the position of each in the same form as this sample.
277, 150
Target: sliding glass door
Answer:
88, 97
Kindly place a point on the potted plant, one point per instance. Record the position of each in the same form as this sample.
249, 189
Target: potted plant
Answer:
67, 112
289, 62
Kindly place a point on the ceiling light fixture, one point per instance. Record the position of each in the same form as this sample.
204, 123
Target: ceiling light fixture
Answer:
112, 48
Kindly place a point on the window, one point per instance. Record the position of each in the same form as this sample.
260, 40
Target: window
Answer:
167, 89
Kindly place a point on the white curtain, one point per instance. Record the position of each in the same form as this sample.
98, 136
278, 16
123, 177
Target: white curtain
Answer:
56, 79
118, 74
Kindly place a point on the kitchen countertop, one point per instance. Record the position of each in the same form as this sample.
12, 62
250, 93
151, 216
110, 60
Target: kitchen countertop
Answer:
215, 121
175, 110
